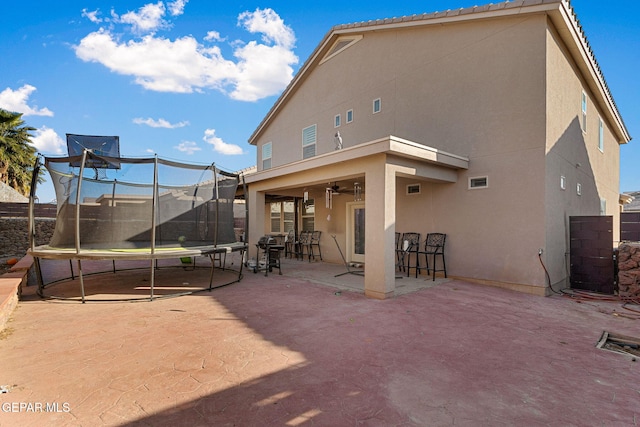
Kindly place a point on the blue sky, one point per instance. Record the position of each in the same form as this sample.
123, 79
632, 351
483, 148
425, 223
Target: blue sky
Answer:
191, 79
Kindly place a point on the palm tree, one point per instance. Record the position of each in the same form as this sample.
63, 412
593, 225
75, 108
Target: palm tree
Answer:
17, 155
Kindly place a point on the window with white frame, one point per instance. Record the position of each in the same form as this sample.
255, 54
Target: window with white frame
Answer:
282, 216
603, 206
308, 215
266, 155
600, 134
579, 189
563, 182
337, 121
349, 116
377, 105
309, 135
478, 182
583, 122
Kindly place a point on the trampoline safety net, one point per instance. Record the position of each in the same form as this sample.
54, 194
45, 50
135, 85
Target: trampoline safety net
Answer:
140, 203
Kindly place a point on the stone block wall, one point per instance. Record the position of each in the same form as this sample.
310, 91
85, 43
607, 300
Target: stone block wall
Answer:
629, 269
14, 235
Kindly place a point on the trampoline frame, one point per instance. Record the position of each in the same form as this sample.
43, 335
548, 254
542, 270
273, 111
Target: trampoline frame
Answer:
151, 253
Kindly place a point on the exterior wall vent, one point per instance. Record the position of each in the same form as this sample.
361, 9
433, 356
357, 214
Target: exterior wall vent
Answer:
413, 189
478, 182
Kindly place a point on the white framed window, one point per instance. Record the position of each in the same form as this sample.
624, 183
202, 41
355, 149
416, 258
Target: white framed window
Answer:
600, 134
478, 182
308, 215
377, 105
603, 206
413, 189
583, 121
337, 121
579, 189
282, 216
309, 136
349, 116
563, 182
266, 155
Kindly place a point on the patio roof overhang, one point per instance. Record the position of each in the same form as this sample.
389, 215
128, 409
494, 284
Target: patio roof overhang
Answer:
411, 158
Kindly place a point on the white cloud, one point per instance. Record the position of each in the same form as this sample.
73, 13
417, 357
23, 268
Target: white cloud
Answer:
92, 16
188, 147
219, 145
185, 65
272, 27
160, 123
177, 7
213, 36
16, 101
46, 140
147, 19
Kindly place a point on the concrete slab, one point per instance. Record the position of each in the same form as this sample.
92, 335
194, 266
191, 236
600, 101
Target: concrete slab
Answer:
290, 350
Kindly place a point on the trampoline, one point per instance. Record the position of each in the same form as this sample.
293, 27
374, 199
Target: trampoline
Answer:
131, 209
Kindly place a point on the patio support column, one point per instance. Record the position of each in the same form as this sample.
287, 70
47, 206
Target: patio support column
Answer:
256, 219
380, 217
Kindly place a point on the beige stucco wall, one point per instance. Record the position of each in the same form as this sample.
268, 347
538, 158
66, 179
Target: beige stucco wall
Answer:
501, 93
575, 155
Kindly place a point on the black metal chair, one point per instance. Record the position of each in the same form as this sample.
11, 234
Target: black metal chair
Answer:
289, 243
410, 245
314, 240
434, 247
300, 244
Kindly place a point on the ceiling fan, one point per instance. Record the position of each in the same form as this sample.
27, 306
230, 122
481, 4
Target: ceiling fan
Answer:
334, 189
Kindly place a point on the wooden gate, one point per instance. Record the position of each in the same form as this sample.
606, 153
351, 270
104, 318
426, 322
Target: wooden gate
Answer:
591, 253
630, 226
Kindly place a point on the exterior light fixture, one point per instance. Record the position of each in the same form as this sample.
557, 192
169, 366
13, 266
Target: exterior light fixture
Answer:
338, 141
357, 191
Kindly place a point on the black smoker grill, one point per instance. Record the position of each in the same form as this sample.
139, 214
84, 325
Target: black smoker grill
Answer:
268, 255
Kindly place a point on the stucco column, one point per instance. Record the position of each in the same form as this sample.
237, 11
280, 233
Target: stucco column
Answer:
380, 218
256, 218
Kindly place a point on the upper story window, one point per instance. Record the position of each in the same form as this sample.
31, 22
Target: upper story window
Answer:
337, 121
309, 135
349, 116
583, 122
600, 134
266, 156
377, 105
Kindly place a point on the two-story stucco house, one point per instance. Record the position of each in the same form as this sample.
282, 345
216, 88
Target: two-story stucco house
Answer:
491, 124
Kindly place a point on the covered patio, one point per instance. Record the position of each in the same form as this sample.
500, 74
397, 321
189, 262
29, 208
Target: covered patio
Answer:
380, 167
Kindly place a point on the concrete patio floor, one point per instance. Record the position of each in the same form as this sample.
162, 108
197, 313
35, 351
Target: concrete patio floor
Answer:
297, 350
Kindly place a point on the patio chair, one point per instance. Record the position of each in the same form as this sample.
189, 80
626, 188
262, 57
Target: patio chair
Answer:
314, 240
300, 244
410, 245
289, 242
434, 247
